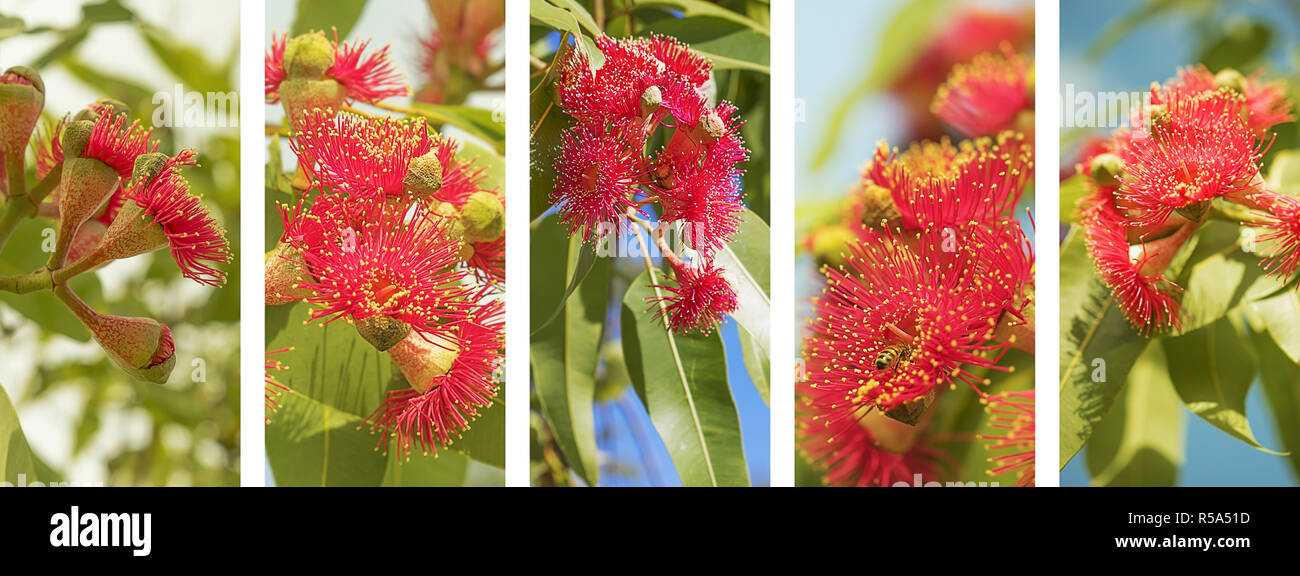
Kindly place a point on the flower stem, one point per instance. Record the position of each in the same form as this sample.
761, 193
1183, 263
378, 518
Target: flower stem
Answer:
24, 283
17, 209
16, 166
88, 317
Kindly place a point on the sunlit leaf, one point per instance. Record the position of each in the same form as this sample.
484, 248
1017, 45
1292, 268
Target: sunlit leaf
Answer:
1140, 441
682, 379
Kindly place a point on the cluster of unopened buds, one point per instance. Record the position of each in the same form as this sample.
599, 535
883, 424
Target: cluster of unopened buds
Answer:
394, 235
1193, 151
114, 196
935, 285
606, 182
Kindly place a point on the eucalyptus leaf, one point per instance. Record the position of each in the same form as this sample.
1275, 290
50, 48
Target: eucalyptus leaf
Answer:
746, 264
566, 353
1098, 348
1141, 440
310, 443
1212, 370
478, 122
682, 379
1280, 315
15, 457
1280, 377
327, 15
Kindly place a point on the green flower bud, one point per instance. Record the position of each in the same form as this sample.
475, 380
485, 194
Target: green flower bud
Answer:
483, 217
1107, 170
308, 56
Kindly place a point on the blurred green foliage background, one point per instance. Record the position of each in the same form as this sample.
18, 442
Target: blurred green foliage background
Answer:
84, 419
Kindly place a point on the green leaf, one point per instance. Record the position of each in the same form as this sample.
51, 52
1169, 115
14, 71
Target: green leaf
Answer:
747, 264
902, 40
310, 443
1098, 348
479, 122
581, 268
757, 364
324, 15
546, 129
697, 8
1220, 276
1280, 376
1212, 370
727, 44
105, 12
485, 441
447, 469
328, 363
683, 381
1280, 313
11, 26
580, 14
1072, 190
566, 353
15, 457
1284, 174
1241, 43
492, 163
1140, 442
566, 21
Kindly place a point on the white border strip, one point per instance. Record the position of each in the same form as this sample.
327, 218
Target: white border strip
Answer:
1047, 194
252, 333
782, 85
517, 245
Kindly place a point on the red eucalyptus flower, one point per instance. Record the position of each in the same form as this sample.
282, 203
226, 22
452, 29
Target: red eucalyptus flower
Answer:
699, 300
597, 175
1012, 414
987, 95
451, 372
1265, 102
1134, 273
1282, 220
633, 69
359, 156
707, 200
851, 453
397, 267
931, 308
366, 78
936, 185
1198, 149
192, 233
118, 145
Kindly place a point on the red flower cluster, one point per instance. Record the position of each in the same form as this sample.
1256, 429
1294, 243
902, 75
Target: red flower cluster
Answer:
934, 284
992, 93
387, 240
604, 175
114, 197
1151, 186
